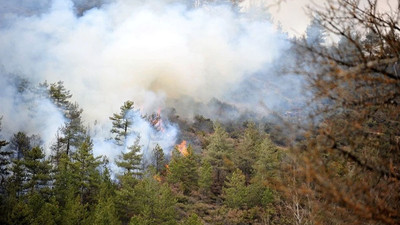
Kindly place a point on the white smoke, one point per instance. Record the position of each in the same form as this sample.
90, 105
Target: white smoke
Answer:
145, 51
26, 108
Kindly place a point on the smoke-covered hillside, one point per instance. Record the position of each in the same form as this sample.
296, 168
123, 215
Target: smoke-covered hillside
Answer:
198, 112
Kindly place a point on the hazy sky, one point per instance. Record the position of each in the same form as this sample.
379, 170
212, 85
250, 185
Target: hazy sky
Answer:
292, 13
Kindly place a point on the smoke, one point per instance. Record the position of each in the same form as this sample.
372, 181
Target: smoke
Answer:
162, 133
26, 108
151, 52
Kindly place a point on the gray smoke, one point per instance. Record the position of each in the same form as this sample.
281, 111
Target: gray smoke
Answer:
151, 52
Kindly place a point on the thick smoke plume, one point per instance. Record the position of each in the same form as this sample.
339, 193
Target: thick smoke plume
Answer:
151, 52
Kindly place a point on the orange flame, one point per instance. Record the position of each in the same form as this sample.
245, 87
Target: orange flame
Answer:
157, 121
157, 178
167, 167
182, 148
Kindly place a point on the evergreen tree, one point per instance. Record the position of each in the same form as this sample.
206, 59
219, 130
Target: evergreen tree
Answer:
37, 171
154, 203
159, 159
247, 150
121, 123
73, 131
268, 161
59, 94
130, 162
20, 144
64, 182
315, 33
85, 173
193, 219
43, 212
235, 192
205, 177
219, 154
5, 161
20, 214
106, 212
74, 212
183, 170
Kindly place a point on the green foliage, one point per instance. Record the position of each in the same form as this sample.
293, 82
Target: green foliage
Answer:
159, 159
59, 94
248, 149
193, 219
235, 192
63, 180
205, 177
183, 170
238, 195
267, 160
5, 161
42, 212
131, 161
20, 214
219, 154
74, 211
85, 174
37, 171
106, 211
148, 202
73, 131
121, 123
20, 144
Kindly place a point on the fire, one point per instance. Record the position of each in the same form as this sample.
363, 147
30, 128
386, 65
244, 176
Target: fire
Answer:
157, 121
182, 148
157, 178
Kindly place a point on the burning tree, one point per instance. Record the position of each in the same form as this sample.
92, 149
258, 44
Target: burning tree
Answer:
350, 159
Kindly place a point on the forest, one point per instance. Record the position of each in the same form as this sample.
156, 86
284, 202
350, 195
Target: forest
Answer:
333, 158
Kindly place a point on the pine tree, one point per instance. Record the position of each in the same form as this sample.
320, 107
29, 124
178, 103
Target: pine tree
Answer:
183, 170
159, 159
247, 150
315, 33
59, 94
121, 123
85, 173
5, 161
64, 182
43, 212
205, 177
37, 171
73, 131
106, 212
235, 192
268, 160
20, 144
154, 203
130, 162
193, 219
20, 214
74, 212
219, 154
